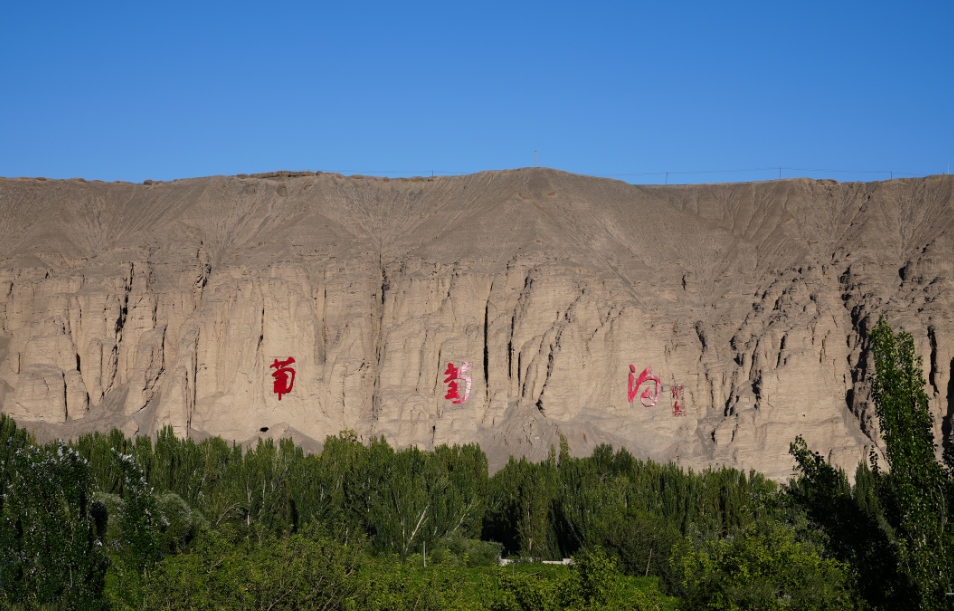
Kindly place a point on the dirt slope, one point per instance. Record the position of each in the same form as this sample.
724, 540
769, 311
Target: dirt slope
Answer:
141, 306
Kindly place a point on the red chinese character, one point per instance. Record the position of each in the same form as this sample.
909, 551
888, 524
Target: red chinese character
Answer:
283, 385
678, 394
452, 392
651, 393
457, 373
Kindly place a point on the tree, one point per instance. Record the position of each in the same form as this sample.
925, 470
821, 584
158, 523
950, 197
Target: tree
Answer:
918, 483
50, 551
141, 521
520, 508
399, 504
853, 524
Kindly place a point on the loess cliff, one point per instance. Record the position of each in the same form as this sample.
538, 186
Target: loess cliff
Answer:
171, 303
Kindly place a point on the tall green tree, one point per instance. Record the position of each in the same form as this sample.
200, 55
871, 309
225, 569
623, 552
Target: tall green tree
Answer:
918, 483
50, 550
852, 521
458, 481
399, 507
521, 507
141, 521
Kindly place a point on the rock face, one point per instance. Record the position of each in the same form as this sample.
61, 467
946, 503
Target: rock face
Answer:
141, 306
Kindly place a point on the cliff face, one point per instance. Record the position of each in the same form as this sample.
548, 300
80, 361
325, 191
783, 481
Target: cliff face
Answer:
139, 306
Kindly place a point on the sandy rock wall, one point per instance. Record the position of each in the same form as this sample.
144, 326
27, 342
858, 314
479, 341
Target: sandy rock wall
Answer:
141, 306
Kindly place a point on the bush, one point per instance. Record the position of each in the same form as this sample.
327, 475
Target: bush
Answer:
224, 572
183, 523
765, 567
457, 550
593, 584
640, 541
392, 586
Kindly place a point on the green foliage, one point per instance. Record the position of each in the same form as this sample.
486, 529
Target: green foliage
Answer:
110, 532
593, 584
12, 440
99, 451
891, 528
399, 506
635, 538
226, 571
522, 592
853, 524
140, 521
637, 511
522, 497
593, 581
765, 567
49, 549
182, 523
457, 550
237, 523
916, 496
391, 586
402, 500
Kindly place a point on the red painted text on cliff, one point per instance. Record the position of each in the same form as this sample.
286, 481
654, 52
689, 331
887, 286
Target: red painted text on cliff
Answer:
678, 400
651, 393
283, 381
453, 374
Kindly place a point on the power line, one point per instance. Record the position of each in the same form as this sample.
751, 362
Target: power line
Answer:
419, 172
691, 172
666, 174
772, 169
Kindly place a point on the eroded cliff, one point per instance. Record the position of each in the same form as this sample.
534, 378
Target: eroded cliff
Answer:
140, 306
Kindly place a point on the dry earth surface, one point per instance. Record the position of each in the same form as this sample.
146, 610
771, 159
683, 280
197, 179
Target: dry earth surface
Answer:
166, 303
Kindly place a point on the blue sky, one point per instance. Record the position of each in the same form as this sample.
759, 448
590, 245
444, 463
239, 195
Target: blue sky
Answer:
134, 91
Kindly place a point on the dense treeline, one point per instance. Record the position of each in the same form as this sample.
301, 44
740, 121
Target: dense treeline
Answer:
399, 500
155, 510
402, 501
109, 522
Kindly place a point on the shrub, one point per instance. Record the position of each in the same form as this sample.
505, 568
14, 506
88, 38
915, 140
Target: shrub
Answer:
765, 567
460, 551
183, 523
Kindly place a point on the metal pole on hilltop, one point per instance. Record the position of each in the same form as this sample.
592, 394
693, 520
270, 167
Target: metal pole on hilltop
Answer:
667, 178
536, 159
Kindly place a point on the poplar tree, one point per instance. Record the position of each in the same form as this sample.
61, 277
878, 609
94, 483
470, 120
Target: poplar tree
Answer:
917, 481
50, 551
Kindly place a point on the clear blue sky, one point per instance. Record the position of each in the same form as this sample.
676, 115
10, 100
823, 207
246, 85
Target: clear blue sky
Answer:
134, 90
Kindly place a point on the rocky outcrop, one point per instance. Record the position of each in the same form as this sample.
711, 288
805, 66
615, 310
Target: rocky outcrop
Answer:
141, 306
